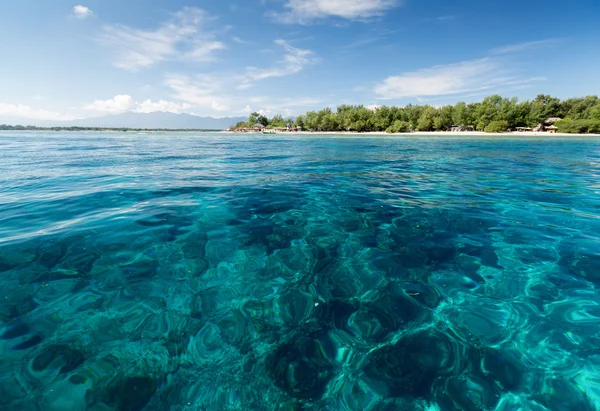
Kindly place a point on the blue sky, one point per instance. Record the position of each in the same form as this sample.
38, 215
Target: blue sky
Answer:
65, 60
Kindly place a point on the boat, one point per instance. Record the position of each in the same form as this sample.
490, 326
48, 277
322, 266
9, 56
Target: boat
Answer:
269, 132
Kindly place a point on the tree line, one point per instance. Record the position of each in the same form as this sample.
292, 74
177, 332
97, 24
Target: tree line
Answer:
493, 114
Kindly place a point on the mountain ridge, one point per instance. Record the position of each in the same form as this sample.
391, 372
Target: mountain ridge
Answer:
156, 120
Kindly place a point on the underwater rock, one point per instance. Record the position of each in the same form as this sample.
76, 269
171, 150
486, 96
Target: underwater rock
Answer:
30, 343
485, 323
396, 300
177, 342
410, 367
194, 247
50, 253
295, 307
304, 366
63, 357
76, 379
425, 294
562, 394
234, 328
14, 309
141, 270
371, 323
469, 393
412, 256
504, 367
588, 267
15, 331
80, 259
133, 394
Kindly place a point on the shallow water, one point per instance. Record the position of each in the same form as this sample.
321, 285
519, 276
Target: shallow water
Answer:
224, 272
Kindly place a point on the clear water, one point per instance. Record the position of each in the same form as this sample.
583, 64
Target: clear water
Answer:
224, 272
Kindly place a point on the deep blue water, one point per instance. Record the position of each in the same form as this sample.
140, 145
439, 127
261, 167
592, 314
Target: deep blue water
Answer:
223, 272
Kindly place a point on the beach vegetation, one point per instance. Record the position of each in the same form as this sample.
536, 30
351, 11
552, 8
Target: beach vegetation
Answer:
578, 126
493, 114
399, 126
497, 126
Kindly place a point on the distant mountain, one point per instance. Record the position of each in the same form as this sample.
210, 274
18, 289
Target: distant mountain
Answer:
136, 120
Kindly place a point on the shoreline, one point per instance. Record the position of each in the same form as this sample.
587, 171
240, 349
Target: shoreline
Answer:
424, 133
328, 133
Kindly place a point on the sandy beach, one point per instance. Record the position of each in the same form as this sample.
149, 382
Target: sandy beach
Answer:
430, 133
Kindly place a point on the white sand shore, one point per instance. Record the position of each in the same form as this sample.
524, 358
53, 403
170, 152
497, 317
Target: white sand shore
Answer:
428, 133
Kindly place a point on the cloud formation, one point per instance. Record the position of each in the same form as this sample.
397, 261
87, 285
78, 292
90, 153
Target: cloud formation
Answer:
527, 46
123, 103
19, 110
149, 106
464, 77
180, 38
82, 12
441, 80
117, 104
202, 91
294, 61
305, 11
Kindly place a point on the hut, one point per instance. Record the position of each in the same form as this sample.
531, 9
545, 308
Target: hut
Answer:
549, 124
259, 127
552, 120
462, 129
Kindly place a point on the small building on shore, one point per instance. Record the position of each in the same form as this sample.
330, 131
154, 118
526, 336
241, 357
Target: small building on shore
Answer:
259, 127
548, 125
462, 129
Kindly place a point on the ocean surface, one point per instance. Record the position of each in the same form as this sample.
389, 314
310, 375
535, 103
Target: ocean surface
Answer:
225, 272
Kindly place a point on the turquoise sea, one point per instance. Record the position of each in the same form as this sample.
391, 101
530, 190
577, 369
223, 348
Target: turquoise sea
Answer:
227, 272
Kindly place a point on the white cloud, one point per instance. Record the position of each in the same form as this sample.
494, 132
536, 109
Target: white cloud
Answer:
82, 12
285, 106
122, 103
459, 78
294, 61
203, 91
117, 104
180, 38
239, 40
149, 106
19, 110
304, 11
531, 45
441, 80
219, 106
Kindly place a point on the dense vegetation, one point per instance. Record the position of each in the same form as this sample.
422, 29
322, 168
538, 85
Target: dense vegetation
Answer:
493, 114
257, 118
4, 127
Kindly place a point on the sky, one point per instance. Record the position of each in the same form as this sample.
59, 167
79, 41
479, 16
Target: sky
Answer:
66, 60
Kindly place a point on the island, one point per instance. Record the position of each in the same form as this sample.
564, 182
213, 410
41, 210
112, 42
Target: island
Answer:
494, 114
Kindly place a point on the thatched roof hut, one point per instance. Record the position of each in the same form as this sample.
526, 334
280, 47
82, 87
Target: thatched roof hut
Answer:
259, 127
552, 120
551, 129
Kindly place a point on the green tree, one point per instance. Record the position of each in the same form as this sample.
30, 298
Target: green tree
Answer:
497, 126
426, 120
399, 126
542, 108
